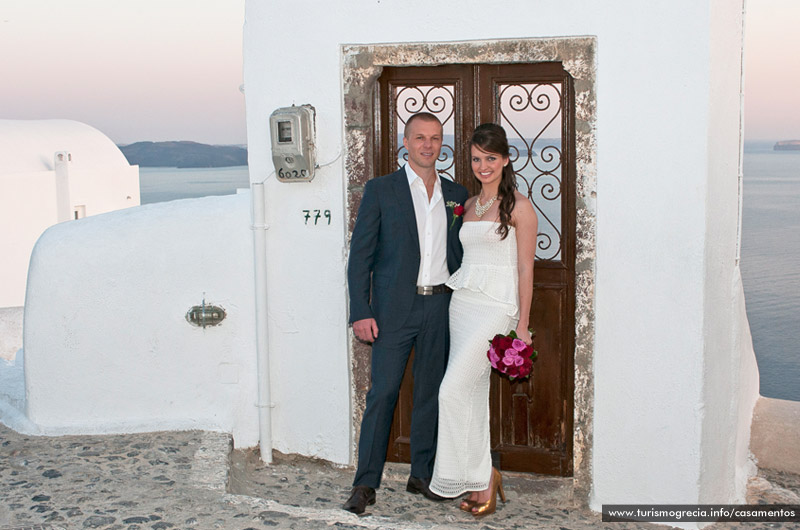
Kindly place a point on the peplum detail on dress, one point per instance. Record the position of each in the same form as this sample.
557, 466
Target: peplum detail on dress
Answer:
489, 265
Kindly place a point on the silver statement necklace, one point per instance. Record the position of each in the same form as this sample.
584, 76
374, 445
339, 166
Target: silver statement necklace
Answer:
482, 209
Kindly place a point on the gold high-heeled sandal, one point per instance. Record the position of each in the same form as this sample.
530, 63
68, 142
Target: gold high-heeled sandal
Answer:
488, 507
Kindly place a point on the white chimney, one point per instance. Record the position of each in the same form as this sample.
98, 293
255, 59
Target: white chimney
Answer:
63, 204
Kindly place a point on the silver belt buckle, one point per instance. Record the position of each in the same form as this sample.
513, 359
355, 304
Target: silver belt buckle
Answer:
427, 289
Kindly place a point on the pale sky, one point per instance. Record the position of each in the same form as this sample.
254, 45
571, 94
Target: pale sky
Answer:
772, 70
171, 69
134, 69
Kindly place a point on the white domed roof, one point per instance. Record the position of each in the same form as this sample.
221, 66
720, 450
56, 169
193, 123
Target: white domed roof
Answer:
28, 146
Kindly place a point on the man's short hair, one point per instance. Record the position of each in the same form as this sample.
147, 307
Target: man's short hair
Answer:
424, 116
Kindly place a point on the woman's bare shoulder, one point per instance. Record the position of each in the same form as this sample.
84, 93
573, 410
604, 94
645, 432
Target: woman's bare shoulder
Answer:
523, 213
522, 203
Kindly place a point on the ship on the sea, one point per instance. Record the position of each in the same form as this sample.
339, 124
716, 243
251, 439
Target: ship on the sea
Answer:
787, 145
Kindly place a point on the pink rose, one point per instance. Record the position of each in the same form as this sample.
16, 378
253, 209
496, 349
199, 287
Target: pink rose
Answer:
493, 357
519, 345
512, 358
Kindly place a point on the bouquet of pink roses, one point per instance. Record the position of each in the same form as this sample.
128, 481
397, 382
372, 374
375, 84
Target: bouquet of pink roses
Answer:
510, 356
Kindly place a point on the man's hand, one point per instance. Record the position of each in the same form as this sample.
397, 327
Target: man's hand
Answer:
366, 329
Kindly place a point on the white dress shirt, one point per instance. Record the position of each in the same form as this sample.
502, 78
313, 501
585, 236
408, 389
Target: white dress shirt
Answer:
432, 230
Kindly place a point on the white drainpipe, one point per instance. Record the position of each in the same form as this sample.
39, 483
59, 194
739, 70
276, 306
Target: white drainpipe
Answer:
265, 405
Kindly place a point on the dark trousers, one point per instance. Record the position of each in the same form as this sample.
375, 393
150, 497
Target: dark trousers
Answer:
427, 331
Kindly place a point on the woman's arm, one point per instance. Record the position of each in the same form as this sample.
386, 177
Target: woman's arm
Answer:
526, 225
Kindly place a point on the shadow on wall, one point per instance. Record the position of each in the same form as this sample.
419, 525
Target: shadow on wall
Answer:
10, 332
107, 344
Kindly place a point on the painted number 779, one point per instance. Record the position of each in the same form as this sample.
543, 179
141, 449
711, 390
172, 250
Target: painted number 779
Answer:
316, 215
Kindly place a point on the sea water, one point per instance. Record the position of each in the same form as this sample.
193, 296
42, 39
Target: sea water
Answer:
770, 263
770, 254
159, 184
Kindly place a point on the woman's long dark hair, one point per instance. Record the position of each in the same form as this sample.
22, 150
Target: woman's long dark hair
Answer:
491, 138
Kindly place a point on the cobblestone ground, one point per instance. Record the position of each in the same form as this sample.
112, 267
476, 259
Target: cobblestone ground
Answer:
192, 480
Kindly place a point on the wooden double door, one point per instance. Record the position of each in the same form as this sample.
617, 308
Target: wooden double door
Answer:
531, 421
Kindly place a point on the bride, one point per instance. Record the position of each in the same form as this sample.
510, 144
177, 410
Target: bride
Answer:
492, 294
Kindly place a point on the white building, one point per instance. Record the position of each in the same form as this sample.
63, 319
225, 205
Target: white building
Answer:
647, 376
53, 171
663, 377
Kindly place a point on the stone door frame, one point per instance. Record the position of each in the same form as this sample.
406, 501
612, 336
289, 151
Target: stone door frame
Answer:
361, 67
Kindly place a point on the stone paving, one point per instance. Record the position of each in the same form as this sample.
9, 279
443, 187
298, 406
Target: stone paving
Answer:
192, 480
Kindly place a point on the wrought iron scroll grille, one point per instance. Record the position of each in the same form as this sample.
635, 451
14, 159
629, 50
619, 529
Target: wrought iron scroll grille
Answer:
530, 115
439, 101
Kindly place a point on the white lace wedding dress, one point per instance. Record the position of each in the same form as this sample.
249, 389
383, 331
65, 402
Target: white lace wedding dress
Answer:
485, 303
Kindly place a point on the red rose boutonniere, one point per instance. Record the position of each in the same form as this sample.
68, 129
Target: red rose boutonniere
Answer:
458, 210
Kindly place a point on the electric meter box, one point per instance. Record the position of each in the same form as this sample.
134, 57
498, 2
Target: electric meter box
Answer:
293, 149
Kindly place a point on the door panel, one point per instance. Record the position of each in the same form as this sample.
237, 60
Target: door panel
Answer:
531, 421
440, 90
534, 105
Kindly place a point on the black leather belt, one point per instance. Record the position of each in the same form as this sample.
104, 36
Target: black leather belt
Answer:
433, 289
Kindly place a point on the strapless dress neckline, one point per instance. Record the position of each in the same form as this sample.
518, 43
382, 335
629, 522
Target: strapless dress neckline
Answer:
510, 227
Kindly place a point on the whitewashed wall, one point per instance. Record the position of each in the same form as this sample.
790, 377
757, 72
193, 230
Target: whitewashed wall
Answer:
28, 205
100, 179
730, 373
658, 409
107, 347
308, 334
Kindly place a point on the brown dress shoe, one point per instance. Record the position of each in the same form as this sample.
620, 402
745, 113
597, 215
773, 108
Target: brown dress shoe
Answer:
360, 497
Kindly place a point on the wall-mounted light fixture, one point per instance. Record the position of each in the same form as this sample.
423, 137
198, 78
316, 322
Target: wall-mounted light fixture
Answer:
205, 315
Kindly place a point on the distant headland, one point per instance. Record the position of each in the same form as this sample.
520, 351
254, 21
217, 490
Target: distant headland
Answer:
183, 154
787, 145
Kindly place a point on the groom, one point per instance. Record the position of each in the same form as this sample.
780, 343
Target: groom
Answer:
404, 248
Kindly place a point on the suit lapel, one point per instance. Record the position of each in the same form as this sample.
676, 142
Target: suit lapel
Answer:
406, 204
448, 194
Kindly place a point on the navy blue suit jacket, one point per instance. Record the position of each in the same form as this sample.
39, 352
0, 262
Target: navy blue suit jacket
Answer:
384, 250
